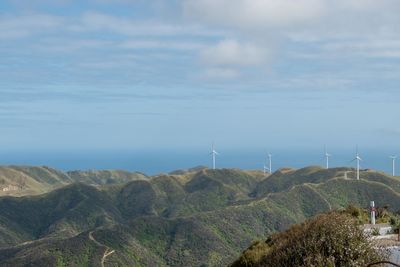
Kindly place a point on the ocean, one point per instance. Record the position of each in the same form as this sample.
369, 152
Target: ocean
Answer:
163, 161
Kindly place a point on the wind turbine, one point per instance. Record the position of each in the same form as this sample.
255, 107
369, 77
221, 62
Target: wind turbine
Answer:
265, 170
327, 155
269, 169
214, 154
270, 162
393, 164
358, 159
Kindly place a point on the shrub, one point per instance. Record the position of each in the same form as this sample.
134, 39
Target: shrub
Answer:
353, 211
375, 231
332, 239
252, 255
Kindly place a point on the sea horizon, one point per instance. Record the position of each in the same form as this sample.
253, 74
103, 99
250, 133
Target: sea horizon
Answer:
164, 161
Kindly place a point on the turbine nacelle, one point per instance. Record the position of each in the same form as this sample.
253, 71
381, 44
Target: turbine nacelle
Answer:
358, 158
214, 153
269, 162
327, 156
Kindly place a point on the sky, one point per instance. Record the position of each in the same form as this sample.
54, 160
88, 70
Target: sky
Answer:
154, 75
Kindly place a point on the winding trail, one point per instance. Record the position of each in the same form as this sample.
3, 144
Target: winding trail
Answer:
107, 252
320, 195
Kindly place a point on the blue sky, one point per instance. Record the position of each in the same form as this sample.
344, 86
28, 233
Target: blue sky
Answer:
136, 74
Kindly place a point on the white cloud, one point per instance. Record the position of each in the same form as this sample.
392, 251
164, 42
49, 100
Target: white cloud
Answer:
13, 27
283, 15
94, 21
254, 14
71, 45
234, 53
161, 44
367, 47
258, 27
359, 28
221, 73
55, 33
231, 37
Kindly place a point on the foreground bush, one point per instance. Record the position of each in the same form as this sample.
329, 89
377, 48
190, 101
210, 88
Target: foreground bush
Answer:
332, 239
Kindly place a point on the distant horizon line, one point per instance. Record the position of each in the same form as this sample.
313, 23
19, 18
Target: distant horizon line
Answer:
191, 169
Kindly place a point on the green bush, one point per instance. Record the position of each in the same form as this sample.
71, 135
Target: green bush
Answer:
252, 255
375, 232
353, 211
333, 239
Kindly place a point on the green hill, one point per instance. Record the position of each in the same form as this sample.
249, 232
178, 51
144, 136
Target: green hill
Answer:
333, 238
103, 177
27, 180
191, 218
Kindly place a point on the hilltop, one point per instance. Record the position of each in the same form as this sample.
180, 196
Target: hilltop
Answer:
189, 218
31, 180
334, 238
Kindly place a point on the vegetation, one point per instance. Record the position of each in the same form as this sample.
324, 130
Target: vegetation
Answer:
186, 218
332, 239
25, 180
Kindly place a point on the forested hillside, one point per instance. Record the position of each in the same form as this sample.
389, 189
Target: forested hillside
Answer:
189, 218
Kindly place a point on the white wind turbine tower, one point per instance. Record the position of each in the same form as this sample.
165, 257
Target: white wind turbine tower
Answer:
393, 165
265, 169
358, 159
269, 169
214, 154
327, 155
270, 162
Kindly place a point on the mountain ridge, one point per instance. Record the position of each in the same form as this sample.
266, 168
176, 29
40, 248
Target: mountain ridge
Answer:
203, 217
33, 180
